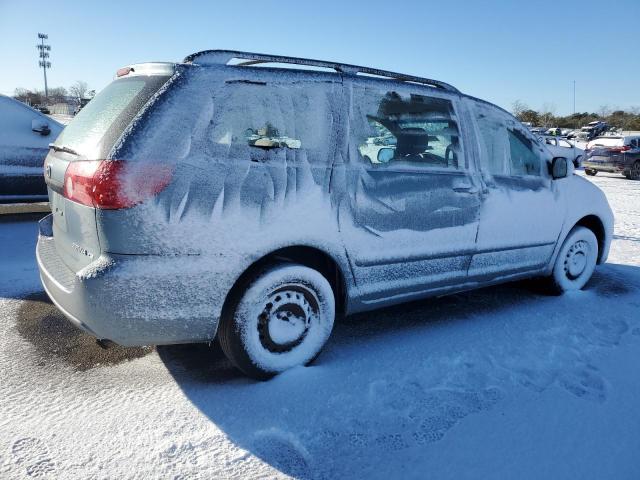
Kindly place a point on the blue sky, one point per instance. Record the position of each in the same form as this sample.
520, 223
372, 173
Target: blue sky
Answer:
498, 50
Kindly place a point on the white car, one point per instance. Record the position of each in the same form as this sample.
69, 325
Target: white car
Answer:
561, 147
25, 135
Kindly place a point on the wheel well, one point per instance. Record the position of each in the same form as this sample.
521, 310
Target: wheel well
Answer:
594, 224
303, 255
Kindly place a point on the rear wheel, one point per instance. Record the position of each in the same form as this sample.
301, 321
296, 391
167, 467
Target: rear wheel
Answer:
590, 172
576, 261
634, 173
280, 318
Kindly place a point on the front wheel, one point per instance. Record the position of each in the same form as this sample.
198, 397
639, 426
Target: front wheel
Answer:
576, 261
590, 172
634, 173
280, 318
577, 161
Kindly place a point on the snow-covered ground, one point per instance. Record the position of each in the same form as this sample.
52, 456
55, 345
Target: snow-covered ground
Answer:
499, 383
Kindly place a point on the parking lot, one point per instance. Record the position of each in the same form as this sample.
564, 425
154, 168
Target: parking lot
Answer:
504, 382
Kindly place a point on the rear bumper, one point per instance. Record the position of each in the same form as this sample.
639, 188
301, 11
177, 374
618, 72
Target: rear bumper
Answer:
132, 299
611, 167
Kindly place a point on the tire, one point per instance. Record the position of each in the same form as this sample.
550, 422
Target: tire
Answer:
634, 172
590, 172
577, 161
279, 318
575, 262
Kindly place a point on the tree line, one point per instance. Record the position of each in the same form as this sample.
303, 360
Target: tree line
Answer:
622, 119
77, 91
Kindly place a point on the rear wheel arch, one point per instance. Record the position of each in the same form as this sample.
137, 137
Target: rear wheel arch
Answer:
311, 257
593, 223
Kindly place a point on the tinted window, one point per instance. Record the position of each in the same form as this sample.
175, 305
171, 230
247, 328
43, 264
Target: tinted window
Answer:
262, 121
390, 127
100, 123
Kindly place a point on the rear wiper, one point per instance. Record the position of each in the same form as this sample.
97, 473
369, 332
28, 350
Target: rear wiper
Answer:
59, 148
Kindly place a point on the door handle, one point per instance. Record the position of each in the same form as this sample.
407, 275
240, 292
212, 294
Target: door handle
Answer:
470, 189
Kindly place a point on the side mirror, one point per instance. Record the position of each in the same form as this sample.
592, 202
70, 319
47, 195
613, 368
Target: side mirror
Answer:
559, 168
40, 127
385, 155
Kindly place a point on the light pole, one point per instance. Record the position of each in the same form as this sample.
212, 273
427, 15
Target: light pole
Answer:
43, 55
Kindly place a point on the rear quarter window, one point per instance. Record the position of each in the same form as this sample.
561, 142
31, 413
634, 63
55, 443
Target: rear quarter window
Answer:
97, 127
270, 121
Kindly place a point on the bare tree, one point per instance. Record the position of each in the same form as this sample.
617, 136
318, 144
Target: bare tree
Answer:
547, 116
604, 111
30, 97
517, 108
57, 94
79, 89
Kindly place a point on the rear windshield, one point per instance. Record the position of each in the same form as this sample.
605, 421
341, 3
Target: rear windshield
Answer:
96, 128
606, 142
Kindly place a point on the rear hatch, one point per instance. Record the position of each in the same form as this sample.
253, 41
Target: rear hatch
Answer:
82, 148
605, 150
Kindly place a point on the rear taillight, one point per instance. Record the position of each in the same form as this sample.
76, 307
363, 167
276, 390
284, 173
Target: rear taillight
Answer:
624, 148
113, 184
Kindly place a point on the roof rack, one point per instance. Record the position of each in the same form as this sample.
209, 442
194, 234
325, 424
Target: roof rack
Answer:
222, 57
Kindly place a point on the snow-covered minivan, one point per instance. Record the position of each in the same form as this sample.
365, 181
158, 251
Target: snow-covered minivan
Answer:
229, 196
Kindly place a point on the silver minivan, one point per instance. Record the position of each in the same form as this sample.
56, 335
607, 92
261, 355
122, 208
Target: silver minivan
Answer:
256, 198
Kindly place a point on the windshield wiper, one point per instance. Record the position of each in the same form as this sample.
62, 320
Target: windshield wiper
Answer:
62, 148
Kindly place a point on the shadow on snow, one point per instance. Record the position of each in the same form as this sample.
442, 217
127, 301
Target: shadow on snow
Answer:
401, 378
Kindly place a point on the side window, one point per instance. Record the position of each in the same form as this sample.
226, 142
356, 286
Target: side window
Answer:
263, 121
494, 142
564, 143
524, 161
394, 128
504, 148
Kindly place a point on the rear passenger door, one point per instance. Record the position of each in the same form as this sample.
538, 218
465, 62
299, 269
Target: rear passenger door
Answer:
522, 209
412, 213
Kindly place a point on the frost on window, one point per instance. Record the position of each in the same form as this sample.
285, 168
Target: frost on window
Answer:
414, 129
524, 161
494, 144
261, 121
269, 137
504, 148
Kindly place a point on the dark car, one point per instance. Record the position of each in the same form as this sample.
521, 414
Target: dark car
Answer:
618, 154
594, 129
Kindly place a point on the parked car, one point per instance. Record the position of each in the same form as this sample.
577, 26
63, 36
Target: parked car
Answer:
594, 129
614, 154
560, 147
24, 138
571, 134
171, 225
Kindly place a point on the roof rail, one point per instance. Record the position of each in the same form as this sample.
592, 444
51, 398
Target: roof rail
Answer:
222, 57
